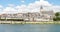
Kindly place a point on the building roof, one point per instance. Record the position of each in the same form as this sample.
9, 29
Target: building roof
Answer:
48, 12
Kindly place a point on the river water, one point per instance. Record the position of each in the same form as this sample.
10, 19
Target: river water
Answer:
29, 28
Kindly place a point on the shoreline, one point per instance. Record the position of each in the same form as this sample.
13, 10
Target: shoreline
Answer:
21, 22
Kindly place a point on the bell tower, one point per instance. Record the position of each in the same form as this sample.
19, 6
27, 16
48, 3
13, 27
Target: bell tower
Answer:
41, 8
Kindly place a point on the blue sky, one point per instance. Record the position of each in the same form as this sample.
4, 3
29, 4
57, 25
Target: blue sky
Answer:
16, 2
10, 6
54, 2
19, 2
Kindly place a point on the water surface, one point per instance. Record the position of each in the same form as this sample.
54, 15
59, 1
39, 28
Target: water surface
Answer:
29, 28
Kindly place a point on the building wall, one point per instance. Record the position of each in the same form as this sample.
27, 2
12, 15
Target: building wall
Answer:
30, 16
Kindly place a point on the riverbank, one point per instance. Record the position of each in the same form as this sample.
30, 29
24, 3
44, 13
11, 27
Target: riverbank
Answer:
21, 22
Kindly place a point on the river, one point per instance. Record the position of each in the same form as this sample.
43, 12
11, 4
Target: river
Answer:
29, 28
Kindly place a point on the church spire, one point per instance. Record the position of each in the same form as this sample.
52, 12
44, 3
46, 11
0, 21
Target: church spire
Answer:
41, 8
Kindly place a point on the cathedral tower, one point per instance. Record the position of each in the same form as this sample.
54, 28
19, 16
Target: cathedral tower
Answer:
41, 8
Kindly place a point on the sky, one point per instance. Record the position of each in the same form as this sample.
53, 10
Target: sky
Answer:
23, 6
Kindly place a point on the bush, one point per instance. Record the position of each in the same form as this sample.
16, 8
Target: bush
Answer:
15, 20
2, 19
11, 19
54, 19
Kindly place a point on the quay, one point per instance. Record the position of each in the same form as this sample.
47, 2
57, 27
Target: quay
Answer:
21, 22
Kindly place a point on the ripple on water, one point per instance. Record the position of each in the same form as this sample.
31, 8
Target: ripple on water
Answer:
29, 28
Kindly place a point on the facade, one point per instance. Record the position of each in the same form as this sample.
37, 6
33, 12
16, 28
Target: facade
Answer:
36, 16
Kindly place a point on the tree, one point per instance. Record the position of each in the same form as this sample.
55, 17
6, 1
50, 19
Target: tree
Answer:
57, 16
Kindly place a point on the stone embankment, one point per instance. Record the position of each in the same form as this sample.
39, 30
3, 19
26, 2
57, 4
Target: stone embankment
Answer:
22, 22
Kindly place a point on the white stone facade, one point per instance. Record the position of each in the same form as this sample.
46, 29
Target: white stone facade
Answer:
36, 16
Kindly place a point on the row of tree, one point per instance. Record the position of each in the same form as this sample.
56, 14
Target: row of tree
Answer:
11, 20
57, 16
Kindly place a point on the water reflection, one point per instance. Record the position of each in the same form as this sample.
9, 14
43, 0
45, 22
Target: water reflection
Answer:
29, 28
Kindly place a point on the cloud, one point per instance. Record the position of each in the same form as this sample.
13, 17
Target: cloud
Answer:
56, 8
45, 3
1, 6
22, 8
11, 5
9, 10
31, 7
22, 1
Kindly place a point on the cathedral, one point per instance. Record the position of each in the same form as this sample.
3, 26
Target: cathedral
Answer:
41, 16
46, 15
35, 16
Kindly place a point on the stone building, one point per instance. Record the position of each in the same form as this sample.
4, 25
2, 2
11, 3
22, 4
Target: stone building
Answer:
36, 16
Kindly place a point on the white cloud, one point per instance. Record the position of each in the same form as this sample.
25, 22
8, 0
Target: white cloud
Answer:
22, 8
1, 6
9, 10
1, 9
11, 5
56, 8
22, 1
46, 3
32, 7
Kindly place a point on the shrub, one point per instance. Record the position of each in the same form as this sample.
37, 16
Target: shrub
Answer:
11, 19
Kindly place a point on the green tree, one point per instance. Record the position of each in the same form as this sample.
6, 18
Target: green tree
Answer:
57, 16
